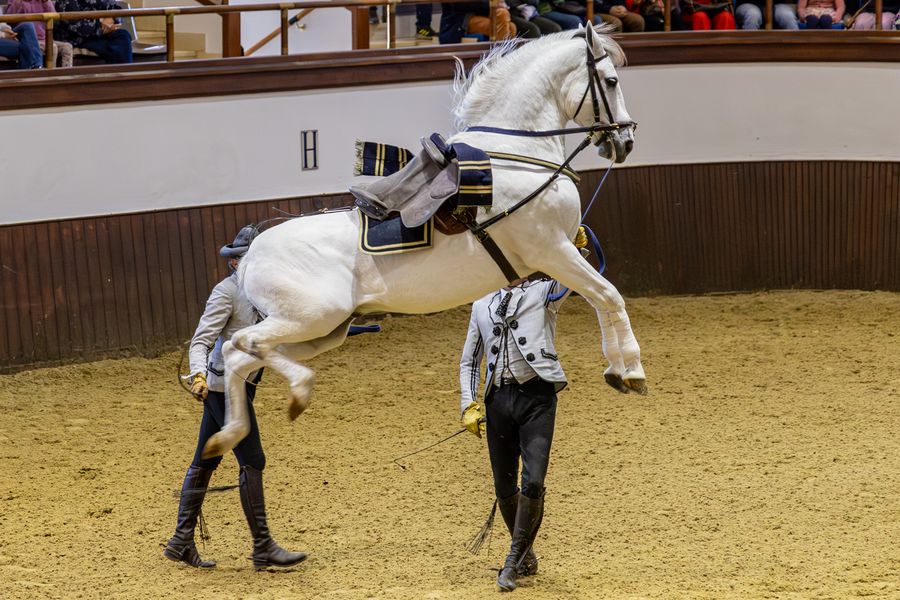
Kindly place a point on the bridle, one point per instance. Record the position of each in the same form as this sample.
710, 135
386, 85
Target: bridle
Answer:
597, 94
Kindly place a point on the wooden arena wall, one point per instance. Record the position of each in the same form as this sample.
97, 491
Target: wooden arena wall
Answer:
89, 288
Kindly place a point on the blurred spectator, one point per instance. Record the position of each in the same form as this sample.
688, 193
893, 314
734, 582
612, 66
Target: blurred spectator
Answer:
866, 17
820, 14
701, 15
654, 14
550, 9
619, 14
104, 37
504, 28
529, 24
20, 43
749, 15
423, 22
63, 50
468, 18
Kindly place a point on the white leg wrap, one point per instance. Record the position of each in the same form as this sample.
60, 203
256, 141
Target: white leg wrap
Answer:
611, 346
620, 346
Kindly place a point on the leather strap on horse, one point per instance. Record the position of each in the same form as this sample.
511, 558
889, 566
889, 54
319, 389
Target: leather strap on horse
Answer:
494, 251
479, 230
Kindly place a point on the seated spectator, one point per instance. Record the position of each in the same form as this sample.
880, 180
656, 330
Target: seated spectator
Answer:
104, 37
20, 7
820, 14
618, 14
468, 18
20, 43
701, 15
654, 14
551, 9
866, 17
528, 22
749, 15
504, 28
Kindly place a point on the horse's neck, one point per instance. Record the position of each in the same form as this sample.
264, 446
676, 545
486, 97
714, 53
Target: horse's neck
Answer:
531, 103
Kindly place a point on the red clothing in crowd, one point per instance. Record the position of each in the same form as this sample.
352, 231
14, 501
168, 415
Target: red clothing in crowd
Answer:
701, 20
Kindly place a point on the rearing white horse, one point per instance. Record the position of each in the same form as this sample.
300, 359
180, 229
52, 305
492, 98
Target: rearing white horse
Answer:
310, 279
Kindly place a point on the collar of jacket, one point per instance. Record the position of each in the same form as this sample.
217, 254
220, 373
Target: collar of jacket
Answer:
518, 293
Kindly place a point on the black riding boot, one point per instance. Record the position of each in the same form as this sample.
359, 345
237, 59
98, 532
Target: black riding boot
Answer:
266, 553
181, 547
508, 507
529, 513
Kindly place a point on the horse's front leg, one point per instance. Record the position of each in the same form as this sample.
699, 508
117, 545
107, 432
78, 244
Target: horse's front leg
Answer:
620, 347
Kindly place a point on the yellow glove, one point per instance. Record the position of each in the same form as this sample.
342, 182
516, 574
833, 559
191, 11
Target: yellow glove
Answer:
199, 387
473, 420
581, 238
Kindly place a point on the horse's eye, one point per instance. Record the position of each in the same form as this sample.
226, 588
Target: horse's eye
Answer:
612, 81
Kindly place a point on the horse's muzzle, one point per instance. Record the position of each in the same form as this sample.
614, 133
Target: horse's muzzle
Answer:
617, 144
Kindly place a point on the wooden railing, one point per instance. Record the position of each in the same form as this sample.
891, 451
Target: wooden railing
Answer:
358, 7
49, 19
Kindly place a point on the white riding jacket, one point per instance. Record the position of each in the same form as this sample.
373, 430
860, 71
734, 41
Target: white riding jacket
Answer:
528, 329
226, 312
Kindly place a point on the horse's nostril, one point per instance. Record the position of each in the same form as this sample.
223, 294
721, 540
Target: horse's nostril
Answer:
629, 145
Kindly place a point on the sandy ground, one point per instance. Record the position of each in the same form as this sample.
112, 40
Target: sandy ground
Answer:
765, 463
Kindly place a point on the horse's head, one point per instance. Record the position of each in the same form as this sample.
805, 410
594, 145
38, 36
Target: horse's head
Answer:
595, 97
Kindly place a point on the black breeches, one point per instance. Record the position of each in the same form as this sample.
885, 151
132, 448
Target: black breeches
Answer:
520, 422
248, 452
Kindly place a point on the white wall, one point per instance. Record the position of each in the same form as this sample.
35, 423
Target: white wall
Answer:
145, 156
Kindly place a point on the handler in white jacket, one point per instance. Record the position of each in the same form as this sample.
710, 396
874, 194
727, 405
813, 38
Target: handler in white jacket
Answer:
227, 311
514, 328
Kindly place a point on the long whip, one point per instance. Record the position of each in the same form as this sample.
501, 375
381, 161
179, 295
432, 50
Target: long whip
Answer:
429, 447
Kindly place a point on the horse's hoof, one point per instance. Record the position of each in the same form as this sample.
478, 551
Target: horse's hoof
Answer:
615, 381
636, 385
300, 397
212, 448
295, 409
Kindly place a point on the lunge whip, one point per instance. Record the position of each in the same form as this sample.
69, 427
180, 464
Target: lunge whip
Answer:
429, 447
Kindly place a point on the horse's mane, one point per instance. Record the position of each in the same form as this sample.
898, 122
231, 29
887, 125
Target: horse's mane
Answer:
472, 91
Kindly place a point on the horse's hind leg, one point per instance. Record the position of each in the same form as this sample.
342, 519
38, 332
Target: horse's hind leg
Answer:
238, 367
285, 359
625, 372
254, 347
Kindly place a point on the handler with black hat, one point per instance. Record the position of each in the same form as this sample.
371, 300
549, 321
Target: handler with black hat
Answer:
514, 328
226, 312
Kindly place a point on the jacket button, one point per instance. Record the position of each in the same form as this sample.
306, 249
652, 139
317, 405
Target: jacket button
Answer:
494, 349
496, 330
529, 357
514, 324
491, 367
522, 340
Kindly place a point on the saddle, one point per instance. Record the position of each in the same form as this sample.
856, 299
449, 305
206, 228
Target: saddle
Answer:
442, 181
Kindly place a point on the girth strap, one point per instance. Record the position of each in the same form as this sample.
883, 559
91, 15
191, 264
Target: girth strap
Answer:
494, 251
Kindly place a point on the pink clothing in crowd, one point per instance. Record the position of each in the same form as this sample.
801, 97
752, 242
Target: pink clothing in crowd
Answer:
20, 7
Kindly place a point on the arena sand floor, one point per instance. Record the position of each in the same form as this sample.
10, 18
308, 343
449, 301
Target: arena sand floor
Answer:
765, 463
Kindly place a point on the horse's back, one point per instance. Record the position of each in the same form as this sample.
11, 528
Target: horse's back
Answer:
307, 259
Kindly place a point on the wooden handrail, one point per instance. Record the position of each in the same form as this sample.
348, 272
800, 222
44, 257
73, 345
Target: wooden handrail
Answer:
206, 10
222, 10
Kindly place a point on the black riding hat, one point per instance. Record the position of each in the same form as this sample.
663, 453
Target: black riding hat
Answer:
241, 242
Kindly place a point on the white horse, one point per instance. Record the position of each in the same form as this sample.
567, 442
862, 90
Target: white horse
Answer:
308, 277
